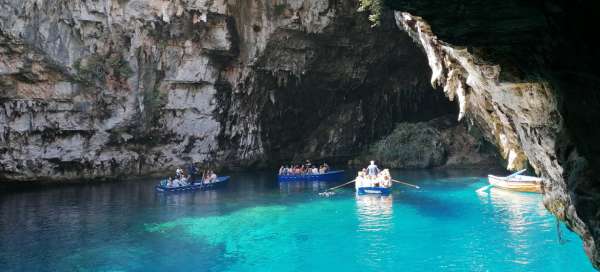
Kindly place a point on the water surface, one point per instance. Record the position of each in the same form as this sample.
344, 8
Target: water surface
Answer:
256, 224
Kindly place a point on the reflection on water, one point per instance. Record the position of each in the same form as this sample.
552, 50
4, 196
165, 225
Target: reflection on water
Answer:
515, 209
375, 223
374, 212
303, 186
519, 212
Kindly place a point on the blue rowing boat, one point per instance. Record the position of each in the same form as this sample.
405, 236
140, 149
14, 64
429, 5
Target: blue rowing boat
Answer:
197, 185
374, 190
374, 185
336, 175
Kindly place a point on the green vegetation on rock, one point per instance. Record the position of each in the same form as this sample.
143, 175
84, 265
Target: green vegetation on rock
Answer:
95, 68
153, 101
374, 7
410, 145
280, 9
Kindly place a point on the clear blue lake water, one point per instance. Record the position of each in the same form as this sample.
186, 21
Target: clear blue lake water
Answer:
257, 224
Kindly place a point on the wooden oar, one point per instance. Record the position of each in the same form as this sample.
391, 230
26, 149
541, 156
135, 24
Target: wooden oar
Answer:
517, 173
340, 185
407, 184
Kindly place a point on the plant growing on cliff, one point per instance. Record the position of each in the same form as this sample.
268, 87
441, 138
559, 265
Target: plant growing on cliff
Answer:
374, 7
95, 68
154, 100
91, 69
279, 9
120, 67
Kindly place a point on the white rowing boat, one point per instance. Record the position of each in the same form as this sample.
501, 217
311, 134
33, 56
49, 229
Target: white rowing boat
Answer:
517, 182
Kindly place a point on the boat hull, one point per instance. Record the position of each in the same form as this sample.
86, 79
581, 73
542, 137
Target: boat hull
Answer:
528, 184
329, 176
197, 185
373, 191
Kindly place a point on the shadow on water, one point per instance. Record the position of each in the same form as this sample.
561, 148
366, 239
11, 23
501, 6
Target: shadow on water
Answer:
89, 204
432, 198
430, 206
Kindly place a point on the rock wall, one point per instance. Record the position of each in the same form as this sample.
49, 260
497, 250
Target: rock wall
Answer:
507, 74
110, 88
438, 143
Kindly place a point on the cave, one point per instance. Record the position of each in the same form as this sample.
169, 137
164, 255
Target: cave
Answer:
327, 96
135, 88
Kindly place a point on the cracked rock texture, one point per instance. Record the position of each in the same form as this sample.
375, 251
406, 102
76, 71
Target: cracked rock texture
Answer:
522, 71
110, 88
438, 143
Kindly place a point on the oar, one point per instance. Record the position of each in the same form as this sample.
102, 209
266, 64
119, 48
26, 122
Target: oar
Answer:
340, 185
407, 184
517, 173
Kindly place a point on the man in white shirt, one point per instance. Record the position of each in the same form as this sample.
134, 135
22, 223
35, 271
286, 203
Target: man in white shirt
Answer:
372, 169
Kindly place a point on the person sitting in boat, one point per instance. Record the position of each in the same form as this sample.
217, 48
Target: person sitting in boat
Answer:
210, 177
206, 177
169, 182
360, 179
372, 170
282, 170
308, 164
178, 173
174, 183
315, 170
386, 178
183, 181
192, 170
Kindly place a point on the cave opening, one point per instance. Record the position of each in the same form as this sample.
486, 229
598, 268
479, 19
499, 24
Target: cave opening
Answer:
329, 96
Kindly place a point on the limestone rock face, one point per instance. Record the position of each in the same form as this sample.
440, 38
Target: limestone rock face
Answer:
410, 145
528, 118
110, 88
438, 143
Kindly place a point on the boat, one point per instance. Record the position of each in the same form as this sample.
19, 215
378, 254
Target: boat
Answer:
196, 185
517, 182
374, 190
379, 185
334, 175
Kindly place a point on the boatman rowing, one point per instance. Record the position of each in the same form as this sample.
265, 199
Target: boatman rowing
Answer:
372, 169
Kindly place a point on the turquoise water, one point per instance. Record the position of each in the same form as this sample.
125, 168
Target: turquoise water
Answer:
256, 224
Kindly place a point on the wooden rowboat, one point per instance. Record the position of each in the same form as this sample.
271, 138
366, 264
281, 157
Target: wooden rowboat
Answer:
517, 182
380, 185
373, 190
335, 175
196, 185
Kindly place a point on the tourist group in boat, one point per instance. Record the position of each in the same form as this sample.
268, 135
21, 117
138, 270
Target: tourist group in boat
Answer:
373, 177
182, 179
303, 169
370, 180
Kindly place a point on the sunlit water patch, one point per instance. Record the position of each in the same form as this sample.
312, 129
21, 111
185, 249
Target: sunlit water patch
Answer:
256, 224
